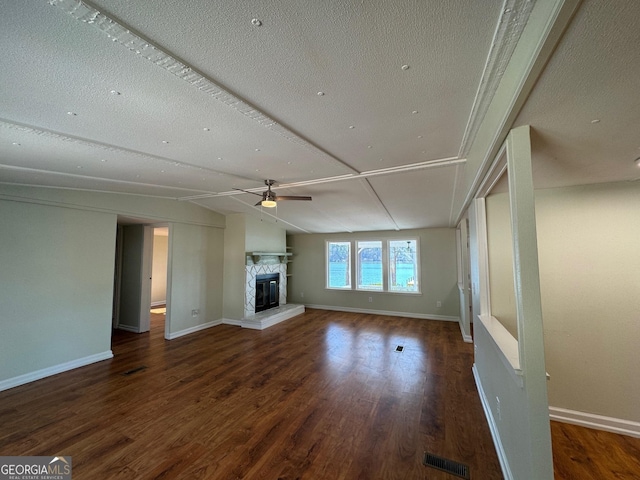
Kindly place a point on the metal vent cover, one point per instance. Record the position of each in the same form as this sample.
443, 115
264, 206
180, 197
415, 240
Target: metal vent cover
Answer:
446, 465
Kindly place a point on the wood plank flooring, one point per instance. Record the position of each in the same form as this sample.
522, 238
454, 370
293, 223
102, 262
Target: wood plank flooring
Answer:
324, 395
586, 454
321, 396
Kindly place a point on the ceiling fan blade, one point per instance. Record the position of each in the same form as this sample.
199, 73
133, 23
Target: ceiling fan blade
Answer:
247, 191
289, 197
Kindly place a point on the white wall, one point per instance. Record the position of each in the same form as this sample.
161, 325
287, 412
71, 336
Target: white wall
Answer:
56, 286
437, 266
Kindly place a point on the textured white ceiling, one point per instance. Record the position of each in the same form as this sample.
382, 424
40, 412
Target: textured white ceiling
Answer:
240, 103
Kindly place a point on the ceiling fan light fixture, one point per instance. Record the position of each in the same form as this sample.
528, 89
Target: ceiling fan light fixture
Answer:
268, 203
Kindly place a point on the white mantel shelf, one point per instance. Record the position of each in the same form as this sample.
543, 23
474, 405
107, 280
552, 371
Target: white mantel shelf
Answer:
258, 255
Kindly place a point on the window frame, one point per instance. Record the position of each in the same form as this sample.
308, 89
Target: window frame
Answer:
354, 266
349, 266
358, 270
416, 263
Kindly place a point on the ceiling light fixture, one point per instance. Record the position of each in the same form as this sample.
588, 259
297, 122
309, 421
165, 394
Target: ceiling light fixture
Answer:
256, 23
637, 162
405, 67
320, 94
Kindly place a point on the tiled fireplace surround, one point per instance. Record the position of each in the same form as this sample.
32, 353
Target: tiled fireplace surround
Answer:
263, 265
252, 271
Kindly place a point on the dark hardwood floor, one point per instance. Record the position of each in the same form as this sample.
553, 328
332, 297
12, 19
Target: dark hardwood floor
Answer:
324, 395
586, 454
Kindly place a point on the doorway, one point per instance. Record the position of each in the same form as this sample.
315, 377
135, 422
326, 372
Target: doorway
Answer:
159, 263
141, 278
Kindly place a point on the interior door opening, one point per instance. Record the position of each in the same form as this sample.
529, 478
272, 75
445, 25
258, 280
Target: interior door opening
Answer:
158, 306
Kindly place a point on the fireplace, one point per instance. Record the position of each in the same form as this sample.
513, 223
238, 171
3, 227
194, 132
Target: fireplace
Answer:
267, 291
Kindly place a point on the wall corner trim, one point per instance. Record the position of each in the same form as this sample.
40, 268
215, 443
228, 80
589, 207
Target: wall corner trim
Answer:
54, 370
495, 434
197, 328
598, 422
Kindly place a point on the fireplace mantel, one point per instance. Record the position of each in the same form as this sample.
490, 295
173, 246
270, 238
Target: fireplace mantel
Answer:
258, 256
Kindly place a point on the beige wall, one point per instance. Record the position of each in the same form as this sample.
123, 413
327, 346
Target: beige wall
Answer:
500, 257
590, 283
244, 234
159, 269
56, 284
437, 266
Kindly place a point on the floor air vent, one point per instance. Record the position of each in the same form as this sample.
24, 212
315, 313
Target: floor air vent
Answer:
134, 370
449, 466
399, 348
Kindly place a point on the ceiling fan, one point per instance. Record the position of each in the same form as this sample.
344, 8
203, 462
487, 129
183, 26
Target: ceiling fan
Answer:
269, 197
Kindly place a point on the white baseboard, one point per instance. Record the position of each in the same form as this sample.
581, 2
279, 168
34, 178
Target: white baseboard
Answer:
230, 321
425, 316
465, 336
598, 422
128, 328
160, 303
495, 434
197, 328
49, 371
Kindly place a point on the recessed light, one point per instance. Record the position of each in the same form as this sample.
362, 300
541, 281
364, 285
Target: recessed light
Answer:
115, 92
351, 126
103, 160
320, 94
257, 149
405, 67
637, 162
415, 112
206, 129
161, 171
419, 136
73, 114
369, 146
288, 163
165, 142
256, 23
16, 144
219, 158
596, 120
79, 166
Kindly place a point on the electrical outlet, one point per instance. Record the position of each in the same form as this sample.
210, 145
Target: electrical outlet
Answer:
438, 304
301, 294
370, 299
195, 312
498, 409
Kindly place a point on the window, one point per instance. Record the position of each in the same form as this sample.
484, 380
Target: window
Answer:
403, 266
384, 266
339, 265
369, 265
